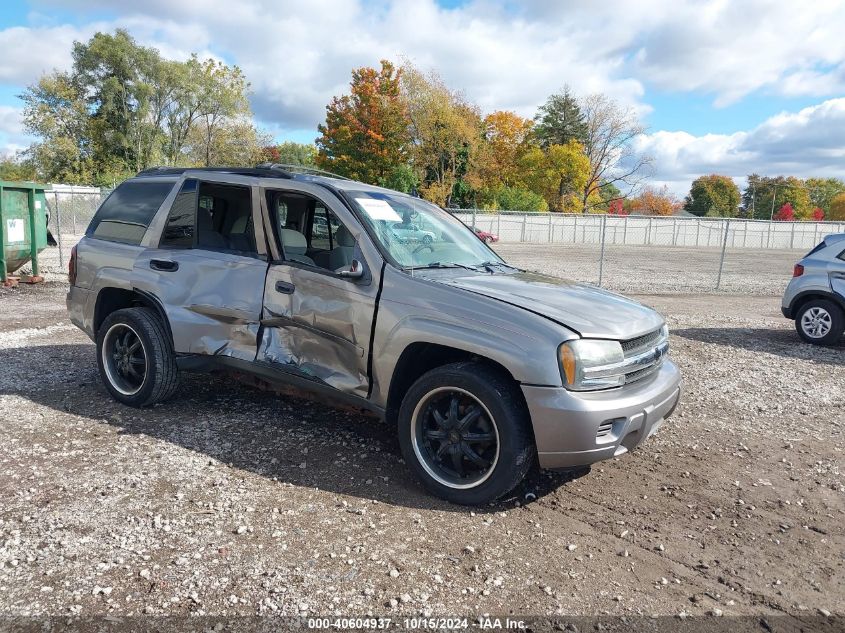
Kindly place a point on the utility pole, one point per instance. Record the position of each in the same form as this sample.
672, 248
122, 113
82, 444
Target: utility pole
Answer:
774, 195
753, 194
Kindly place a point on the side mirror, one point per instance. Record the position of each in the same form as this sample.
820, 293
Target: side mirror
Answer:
356, 271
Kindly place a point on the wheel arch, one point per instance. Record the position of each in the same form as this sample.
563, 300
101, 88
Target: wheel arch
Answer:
809, 295
421, 357
111, 299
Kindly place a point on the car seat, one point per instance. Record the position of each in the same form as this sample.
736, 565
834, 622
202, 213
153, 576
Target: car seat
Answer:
295, 245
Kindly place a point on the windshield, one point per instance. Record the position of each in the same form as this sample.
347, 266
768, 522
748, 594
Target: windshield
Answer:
418, 234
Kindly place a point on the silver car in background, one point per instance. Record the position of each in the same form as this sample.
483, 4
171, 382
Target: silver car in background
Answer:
815, 298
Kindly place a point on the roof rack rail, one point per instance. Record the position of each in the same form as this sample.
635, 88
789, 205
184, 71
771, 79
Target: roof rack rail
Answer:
238, 171
301, 169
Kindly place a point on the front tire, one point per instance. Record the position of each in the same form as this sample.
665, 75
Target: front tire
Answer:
135, 357
465, 433
820, 321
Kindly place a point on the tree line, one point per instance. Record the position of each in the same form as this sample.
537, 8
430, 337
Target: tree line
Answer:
405, 129
122, 108
784, 198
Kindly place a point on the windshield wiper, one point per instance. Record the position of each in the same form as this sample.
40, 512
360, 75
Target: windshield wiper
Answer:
489, 265
446, 265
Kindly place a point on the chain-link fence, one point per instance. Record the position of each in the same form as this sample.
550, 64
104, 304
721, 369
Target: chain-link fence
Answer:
676, 231
655, 254
626, 253
71, 209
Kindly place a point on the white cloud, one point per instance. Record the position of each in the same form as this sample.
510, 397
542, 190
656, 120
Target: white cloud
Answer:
507, 55
12, 136
807, 143
504, 55
30, 52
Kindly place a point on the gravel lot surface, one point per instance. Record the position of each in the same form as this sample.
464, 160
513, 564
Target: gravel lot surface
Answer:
229, 500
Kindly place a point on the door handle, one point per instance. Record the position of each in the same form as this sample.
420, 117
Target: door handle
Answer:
285, 288
838, 275
164, 265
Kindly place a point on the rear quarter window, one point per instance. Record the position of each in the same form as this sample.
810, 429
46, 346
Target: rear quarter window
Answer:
817, 248
128, 211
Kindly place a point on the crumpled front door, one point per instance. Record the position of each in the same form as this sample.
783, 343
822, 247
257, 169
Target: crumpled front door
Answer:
318, 325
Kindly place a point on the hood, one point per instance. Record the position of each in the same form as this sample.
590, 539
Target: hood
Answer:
590, 311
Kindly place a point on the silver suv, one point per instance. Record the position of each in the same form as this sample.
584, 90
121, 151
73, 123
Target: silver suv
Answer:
301, 279
815, 297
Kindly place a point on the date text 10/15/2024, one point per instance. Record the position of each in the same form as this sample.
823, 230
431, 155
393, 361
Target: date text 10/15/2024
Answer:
422, 623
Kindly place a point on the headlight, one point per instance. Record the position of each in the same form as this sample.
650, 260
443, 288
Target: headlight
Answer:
588, 364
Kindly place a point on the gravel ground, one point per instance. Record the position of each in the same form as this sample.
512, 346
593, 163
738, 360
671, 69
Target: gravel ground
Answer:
230, 501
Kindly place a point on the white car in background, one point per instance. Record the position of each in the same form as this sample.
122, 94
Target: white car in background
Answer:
412, 233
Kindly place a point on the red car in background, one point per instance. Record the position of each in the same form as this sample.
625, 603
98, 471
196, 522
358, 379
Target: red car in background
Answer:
485, 236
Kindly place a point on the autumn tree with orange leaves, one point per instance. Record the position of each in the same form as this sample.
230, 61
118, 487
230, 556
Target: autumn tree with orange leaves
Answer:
655, 202
507, 137
365, 136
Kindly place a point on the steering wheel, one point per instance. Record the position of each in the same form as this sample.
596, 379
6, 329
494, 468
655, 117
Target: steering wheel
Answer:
421, 247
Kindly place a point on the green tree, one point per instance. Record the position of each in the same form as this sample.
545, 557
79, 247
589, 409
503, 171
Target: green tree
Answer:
823, 191
445, 133
560, 120
291, 153
713, 196
608, 193
518, 199
187, 104
837, 208
15, 169
763, 196
403, 179
123, 108
557, 173
365, 135
224, 110
56, 112
117, 77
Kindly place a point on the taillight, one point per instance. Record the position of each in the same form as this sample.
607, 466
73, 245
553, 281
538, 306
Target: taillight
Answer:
71, 267
798, 270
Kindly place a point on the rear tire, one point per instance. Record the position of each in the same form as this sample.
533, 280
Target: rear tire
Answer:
135, 357
465, 433
820, 321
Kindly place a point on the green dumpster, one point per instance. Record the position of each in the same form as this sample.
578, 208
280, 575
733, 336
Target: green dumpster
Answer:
23, 225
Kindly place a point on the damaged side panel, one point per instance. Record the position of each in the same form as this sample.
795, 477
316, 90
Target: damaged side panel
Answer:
321, 329
212, 300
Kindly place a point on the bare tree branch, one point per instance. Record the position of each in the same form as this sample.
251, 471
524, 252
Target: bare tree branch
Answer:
611, 131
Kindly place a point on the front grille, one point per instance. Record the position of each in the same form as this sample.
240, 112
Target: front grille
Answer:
644, 345
640, 374
641, 343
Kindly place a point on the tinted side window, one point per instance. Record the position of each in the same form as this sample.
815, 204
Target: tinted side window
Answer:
224, 218
816, 248
181, 223
128, 211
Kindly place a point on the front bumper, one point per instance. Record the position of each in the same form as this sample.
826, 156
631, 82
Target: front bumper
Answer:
581, 428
